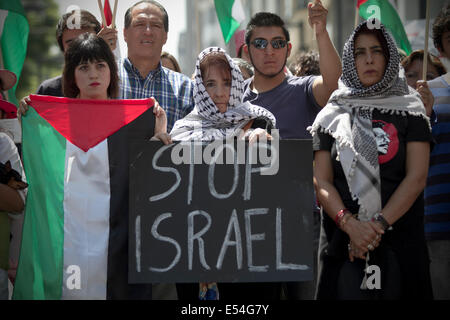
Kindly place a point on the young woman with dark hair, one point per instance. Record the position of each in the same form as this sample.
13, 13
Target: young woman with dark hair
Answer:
89, 57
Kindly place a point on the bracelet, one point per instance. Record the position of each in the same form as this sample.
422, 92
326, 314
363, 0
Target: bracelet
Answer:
344, 220
340, 215
379, 218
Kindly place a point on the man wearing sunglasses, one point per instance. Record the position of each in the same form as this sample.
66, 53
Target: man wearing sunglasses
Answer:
294, 101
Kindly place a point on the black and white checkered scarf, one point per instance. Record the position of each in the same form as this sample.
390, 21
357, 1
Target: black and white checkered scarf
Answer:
205, 122
348, 119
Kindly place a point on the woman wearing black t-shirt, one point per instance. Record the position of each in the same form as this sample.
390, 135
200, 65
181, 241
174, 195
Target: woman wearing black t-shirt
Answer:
371, 146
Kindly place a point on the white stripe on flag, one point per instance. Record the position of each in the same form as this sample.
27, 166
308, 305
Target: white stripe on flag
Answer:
86, 219
3, 15
237, 12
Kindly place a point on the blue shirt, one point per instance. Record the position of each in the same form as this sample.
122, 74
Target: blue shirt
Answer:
172, 90
292, 103
437, 191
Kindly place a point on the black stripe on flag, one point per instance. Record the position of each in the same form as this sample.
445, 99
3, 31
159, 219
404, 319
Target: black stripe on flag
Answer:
118, 145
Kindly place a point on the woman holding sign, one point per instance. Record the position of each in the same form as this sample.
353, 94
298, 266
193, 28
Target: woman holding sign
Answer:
219, 113
372, 144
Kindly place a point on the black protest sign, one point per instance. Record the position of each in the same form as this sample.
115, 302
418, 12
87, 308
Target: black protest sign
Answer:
220, 212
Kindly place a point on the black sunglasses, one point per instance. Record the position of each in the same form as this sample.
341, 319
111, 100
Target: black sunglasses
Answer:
261, 43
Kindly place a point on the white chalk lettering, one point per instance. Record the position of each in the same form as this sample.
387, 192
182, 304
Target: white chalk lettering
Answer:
212, 188
278, 236
198, 236
253, 237
157, 236
138, 243
233, 224
165, 169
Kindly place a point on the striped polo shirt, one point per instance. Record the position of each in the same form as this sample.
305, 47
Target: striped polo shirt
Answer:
437, 191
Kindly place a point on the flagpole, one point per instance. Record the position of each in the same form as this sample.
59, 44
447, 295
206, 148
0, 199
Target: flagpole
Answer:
314, 25
356, 15
197, 27
425, 51
113, 22
100, 6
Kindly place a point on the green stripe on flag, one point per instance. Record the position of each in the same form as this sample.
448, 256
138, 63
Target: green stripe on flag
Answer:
12, 5
40, 270
228, 24
389, 18
13, 41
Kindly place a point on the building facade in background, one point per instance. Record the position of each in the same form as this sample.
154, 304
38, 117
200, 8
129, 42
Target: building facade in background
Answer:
203, 29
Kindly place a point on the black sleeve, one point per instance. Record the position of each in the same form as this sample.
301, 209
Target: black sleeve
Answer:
418, 129
51, 87
322, 141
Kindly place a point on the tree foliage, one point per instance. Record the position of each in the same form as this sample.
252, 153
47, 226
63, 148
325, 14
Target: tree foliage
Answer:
44, 59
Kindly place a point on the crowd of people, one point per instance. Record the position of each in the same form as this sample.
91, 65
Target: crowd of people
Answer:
379, 131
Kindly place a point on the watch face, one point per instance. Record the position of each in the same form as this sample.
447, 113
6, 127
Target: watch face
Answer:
380, 219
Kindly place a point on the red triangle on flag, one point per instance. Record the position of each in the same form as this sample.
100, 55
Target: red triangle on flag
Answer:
358, 3
85, 123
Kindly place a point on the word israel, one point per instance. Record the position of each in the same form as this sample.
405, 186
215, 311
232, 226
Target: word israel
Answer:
233, 232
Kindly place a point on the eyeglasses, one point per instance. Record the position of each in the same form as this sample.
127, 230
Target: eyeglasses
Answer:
261, 43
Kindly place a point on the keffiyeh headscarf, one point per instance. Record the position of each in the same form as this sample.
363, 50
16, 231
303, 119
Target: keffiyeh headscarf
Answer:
348, 119
205, 122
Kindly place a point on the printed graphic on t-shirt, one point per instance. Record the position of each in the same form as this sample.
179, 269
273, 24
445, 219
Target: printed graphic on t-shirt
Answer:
387, 140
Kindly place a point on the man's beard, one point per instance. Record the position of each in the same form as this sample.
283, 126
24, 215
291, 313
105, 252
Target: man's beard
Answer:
265, 75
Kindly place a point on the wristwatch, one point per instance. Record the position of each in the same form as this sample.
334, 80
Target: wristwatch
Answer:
379, 218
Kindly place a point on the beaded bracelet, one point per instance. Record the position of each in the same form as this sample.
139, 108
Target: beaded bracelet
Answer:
340, 215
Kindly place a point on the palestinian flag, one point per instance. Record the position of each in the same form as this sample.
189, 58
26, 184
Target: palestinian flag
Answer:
14, 31
108, 13
108, 16
385, 12
230, 14
75, 233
